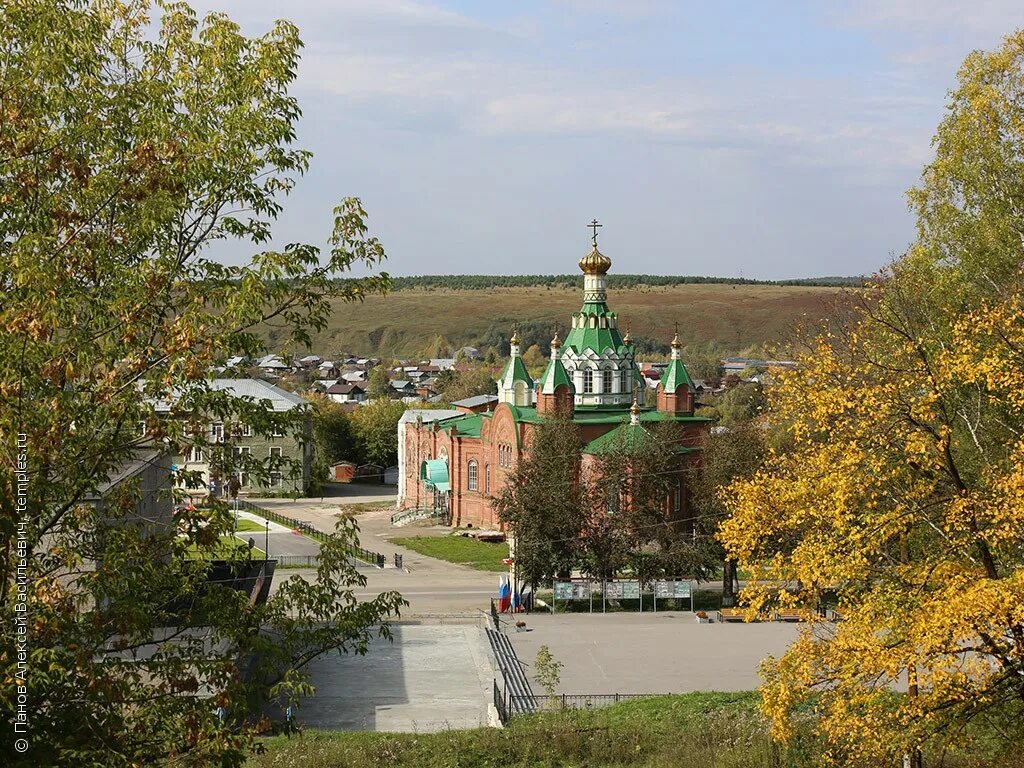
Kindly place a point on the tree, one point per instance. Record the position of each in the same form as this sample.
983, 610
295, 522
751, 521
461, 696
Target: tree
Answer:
544, 503
726, 456
130, 145
534, 360
903, 491
375, 425
334, 438
635, 480
378, 383
740, 404
467, 381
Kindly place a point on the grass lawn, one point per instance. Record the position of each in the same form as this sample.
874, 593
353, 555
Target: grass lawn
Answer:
694, 730
249, 525
229, 547
481, 555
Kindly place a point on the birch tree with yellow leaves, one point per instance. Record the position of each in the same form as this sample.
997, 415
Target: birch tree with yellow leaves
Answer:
901, 497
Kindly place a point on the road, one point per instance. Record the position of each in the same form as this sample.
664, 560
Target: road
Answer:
434, 588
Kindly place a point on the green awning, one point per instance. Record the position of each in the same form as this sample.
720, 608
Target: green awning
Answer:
434, 472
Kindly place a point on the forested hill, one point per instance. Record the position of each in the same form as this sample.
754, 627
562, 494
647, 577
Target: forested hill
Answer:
480, 282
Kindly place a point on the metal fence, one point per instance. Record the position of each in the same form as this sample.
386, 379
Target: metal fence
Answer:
500, 704
366, 555
297, 561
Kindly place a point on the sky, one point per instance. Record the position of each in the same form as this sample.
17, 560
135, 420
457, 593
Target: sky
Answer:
761, 139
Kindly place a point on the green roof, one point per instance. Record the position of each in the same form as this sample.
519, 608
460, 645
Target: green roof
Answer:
628, 436
515, 370
602, 414
597, 339
468, 425
554, 376
675, 376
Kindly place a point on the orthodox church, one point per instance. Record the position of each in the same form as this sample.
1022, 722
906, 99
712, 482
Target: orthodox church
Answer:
456, 462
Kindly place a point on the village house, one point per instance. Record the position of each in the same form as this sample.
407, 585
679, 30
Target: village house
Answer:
347, 392
455, 463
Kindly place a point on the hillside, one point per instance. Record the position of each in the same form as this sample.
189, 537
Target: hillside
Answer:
407, 321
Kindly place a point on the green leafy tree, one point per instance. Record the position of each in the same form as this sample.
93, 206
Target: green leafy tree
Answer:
130, 142
547, 670
733, 454
467, 381
544, 503
637, 482
377, 383
334, 438
375, 426
740, 404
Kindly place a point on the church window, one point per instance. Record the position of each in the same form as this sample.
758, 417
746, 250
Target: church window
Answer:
612, 500
471, 478
487, 478
606, 383
588, 380
677, 500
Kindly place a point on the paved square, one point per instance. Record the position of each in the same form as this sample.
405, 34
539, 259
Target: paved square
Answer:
432, 678
665, 652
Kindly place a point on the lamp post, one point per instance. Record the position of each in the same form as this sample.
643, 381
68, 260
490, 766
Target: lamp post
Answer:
266, 542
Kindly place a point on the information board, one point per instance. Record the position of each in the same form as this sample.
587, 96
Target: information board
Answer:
672, 589
622, 590
572, 590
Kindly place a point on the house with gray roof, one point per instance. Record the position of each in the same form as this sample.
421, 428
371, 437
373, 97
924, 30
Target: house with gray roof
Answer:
284, 454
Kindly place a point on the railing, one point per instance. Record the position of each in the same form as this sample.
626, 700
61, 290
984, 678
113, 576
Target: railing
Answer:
495, 619
543, 702
366, 555
297, 561
410, 515
500, 704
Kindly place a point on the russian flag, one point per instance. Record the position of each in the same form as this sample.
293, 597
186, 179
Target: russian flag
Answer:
504, 594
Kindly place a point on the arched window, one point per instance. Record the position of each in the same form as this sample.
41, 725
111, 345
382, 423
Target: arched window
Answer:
677, 502
471, 475
588, 380
487, 479
606, 380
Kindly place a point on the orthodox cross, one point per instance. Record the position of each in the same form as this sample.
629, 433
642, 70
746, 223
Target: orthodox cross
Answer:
595, 226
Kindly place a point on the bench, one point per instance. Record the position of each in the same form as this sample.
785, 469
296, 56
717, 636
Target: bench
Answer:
789, 615
730, 614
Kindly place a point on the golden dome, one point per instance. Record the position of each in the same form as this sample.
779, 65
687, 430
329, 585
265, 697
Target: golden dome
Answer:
556, 342
515, 336
595, 263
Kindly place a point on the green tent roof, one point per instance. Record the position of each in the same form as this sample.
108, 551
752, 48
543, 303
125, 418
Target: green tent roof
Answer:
675, 376
515, 370
553, 377
597, 339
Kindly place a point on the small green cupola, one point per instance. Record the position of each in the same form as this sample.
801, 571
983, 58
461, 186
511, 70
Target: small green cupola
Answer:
515, 386
555, 389
675, 391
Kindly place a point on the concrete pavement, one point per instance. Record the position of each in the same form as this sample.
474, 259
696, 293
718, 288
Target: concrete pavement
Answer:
434, 588
431, 678
665, 652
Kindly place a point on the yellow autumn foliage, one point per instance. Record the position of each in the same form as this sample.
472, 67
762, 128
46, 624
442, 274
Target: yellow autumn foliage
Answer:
900, 502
